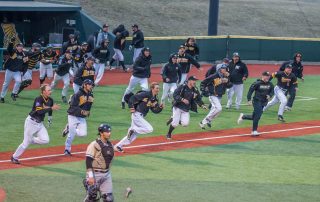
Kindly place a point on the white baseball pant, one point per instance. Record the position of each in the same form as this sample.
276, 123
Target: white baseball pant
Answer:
183, 78
77, 127
118, 55
215, 110
180, 116
279, 96
9, 75
134, 81
76, 88
66, 81
34, 133
139, 125
168, 89
238, 90
99, 71
27, 75
45, 70
136, 53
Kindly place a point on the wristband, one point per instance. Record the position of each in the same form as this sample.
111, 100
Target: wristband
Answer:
90, 174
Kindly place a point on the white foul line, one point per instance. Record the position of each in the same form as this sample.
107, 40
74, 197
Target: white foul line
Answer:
171, 142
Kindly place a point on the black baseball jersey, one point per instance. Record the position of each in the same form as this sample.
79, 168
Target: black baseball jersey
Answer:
84, 73
192, 50
192, 95
185, 60
102, 53
80, 101
79, 55
261, 89
141, 67
237, 72
143, 101
40, 107
285, 80
46, 55
15, 61
172, 72
64, 66
34, 58
137, 39
297, 68
215, 84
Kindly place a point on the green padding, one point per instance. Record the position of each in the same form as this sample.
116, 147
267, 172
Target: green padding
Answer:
247, 48
276, 50
308, 49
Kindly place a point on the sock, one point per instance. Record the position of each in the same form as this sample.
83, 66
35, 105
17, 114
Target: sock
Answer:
171, 128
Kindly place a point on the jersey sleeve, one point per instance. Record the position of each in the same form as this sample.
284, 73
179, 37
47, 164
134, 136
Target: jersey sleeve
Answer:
91, 150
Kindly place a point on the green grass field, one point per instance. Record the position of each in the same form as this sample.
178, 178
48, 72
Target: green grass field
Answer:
270, 170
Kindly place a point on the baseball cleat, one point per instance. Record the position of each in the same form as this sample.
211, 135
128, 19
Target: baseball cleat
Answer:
202, 126
65, 130
280, 118
255, 133
287, 109
2, 100
123, 105
240, 118
209, 125
64, 99
14, 97
169, 121
14, 160
67, 153
128, 192
168, 136
118, 149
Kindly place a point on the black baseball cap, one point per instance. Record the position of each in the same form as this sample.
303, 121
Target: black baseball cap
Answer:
19, 44
88, 81
135, 25
105, 25
223, 66
90, 58
192, 78
104, 128
265, 73
182, 46
235, 54
226, 60
289, 66
68, 51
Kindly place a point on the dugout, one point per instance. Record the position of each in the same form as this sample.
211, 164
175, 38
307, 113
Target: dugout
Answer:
42, 22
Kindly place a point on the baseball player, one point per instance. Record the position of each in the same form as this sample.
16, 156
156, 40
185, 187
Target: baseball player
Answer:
62, 73
34, 56
192, 48
297, 70
263, 90
14, 66
171, 74
186, 97
85, 72
215, 85
118, 46
47, 59
137, 42
185, 60
140, 74
215, 67
103, 35
99, 156
72, 44
238, 74
286, 80
34, 129
102, 55
80, 106
139, 105
80, 56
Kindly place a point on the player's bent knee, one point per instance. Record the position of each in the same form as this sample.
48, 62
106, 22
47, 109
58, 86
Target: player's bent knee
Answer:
107, 197
184, 124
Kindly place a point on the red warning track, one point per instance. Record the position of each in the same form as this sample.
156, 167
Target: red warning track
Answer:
118, 77
53, 155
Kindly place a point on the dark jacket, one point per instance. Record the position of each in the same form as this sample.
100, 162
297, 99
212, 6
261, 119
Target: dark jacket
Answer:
137, 39
120, 40
261, 89
171, 71
192, 95
84, 73
80, 101
48, 56
92, 41
79, 56
192, 50
15, 61
237, 72
73, 47
285, 80
39, 111
102, 53
143, 101
64, 66
185, 60
34, 58
215, 85
297, 68
211, 71
141, 67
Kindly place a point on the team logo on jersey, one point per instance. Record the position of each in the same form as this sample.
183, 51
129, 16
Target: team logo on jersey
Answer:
237, 67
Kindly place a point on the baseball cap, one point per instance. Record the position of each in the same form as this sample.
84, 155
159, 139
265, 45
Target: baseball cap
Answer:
104, 128
182, 46
19, 44
289, 66
192, 78
265, 73
84, 44
223, 66
90, 58
226, 60
87, 81
135, 25
68, 51
105, 25
235, 54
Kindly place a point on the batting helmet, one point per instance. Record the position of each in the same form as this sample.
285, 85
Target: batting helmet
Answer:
104, 128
